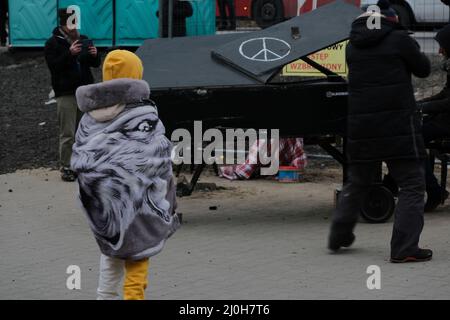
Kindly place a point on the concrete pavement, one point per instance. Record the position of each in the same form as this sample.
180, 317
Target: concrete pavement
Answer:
265, 241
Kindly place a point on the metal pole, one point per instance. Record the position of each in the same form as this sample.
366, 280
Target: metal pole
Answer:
160, 18
170, 19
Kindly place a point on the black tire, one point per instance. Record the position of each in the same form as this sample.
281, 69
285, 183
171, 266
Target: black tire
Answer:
267, 12
404, 15
379, 205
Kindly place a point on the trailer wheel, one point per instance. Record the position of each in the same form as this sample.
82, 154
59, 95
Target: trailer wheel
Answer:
267, 12
403, 14
379, 205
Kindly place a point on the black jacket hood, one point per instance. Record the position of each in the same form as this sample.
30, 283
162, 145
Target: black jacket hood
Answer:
363, 37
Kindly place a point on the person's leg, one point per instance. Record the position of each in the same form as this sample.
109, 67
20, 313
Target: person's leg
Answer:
435, 194
231, 14
223, 14
135, 279
67, 118
408, 223
360, 179
111, 274
433, 188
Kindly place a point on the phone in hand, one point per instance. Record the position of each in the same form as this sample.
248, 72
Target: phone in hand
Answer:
85, 45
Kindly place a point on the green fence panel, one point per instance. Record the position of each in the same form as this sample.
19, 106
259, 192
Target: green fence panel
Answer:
31, 22
135, 21
96, 19
203, 21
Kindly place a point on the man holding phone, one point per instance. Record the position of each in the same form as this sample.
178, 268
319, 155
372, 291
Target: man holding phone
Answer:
70, 57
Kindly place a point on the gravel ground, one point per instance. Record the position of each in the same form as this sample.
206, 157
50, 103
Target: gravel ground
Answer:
28, 127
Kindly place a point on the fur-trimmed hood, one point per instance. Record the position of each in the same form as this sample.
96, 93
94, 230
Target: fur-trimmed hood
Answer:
110, 93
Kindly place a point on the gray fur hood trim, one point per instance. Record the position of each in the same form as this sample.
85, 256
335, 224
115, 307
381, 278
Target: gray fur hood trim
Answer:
109, 93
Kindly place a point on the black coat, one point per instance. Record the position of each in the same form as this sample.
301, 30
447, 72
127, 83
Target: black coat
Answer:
68, 72
181, 11
437, 108
384, 122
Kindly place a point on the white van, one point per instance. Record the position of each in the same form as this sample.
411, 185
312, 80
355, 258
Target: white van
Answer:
417, 12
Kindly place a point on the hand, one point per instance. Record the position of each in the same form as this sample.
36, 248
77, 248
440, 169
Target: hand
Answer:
75, 48
93, 51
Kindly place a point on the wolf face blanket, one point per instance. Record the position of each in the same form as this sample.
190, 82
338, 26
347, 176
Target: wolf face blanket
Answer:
124, 171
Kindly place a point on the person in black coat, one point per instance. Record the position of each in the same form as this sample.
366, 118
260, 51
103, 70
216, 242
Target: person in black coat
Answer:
437, 123
70, 67
384, 125
181, 11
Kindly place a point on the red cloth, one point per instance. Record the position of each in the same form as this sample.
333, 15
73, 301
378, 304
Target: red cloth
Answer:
291, 154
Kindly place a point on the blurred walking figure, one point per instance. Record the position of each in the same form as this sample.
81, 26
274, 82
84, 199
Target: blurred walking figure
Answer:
182, 9
3, 21
69, 57
227, 19
384, 125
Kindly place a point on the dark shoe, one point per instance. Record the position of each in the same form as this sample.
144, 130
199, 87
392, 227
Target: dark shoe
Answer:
422, 255
68, 175
434, 199
337, 240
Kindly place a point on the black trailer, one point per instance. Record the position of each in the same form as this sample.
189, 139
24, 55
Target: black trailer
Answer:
235, 81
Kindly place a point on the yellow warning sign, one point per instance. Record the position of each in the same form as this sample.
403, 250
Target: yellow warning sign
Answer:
332, 58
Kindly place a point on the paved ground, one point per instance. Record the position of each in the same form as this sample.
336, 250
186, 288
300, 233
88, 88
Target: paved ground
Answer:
265, 241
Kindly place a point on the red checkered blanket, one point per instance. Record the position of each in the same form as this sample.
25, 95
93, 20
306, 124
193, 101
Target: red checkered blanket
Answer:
291, 154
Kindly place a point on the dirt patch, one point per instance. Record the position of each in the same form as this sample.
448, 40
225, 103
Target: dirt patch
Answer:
28, 127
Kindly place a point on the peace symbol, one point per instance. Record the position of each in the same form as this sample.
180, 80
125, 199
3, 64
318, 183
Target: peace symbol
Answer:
264, 49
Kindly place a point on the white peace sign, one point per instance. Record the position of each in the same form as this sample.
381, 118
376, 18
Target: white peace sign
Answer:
266, 54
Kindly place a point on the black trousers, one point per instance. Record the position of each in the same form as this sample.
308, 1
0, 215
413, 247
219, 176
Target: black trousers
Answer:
223, 5
3, 12
408, 225
433, 131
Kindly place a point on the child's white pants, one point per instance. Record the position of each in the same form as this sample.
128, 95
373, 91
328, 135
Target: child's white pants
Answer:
111, 274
